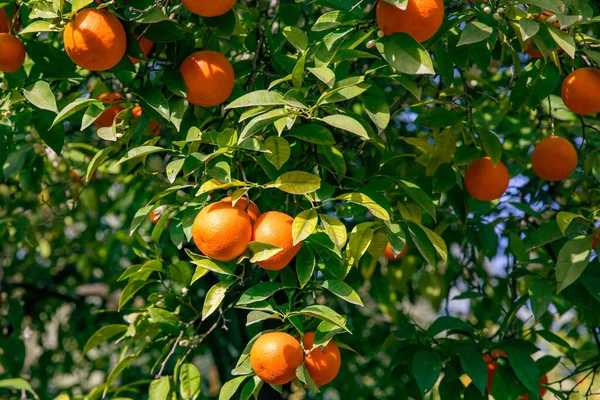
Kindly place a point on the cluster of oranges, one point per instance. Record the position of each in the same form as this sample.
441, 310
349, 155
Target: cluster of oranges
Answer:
553, 159
222, 231
276, 355
491, 362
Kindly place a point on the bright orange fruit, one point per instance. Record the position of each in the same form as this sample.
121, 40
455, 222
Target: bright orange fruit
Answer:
421, 19
275, 228
275, 356
12, 53
323, 364
580, 91
554, 159
484, 181
210, 8
208, 77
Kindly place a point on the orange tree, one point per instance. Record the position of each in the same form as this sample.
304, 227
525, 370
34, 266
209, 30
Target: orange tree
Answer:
299, 199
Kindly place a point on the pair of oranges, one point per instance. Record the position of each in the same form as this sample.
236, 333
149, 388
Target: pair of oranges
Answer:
276, 355
222, 232
553, 159
96, 40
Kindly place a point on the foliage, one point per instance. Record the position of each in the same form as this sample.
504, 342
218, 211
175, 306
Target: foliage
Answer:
363, 140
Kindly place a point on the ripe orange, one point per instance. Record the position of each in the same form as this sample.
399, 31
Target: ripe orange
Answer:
554, 159
323, 364
154, 217
275, 228
580, 91
485, 182
209, 78
543, 390
208, 8
389, 253
222, 232
146, 45
253, 211
12, 53
492, 366
154, 126
275, 356
4, 24
421, 19
108, 116
95, 39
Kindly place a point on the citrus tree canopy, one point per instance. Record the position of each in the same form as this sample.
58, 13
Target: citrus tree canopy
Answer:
299, 199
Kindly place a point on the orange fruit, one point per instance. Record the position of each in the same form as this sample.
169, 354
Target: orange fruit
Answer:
222, 232
211, 8
154, 126
543, 390
492, 366
389, 253
323, 364
209, 78
253, 211
95, 39
485, 182
275, 356
12, 53
154, 217
554, 159
4, 23
108, 115
580, 91
275, 228
146, 45
421, 19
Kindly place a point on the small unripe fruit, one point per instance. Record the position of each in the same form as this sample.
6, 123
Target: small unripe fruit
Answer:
497, 16
501, 10
62, 23
487, 9
370, 43
52, 26
380, 34
579, 18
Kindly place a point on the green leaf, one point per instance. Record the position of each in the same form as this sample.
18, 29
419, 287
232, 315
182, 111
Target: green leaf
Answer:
159, 388
324, 74
297, 37
405, 54
313, 133
258, 292
139, 152
342, 290
130, 290
447, 323
529, 28
304, 224
419, 197
437, 242
426, 368
173, 168
98, 159
72, 108
257, 98
297, 182
572, 260
304, 377
118, 370
491, 145
359, 241
325, 313
262, 251
39, 26
40, 95
260, 122
279, 151
230, 387
215, 296
540, 295
168, 321
525, 368
18, 384
220, 267
366, 201
335, 229
563, 39
564, 218
305, 265
334, 19
474, 366
346, 123
377, 107
77, 5
437, 117
102, 335
298, 71
258, 316
474, 32
189, 382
